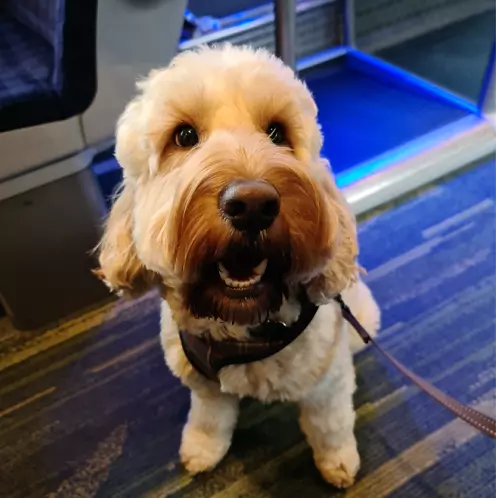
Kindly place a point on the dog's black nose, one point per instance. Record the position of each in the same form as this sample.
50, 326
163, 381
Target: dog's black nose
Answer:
250, 206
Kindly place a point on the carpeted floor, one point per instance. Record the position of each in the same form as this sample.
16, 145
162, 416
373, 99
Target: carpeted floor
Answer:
89, 409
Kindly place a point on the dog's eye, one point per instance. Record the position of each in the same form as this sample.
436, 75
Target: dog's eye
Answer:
275, 131
186, 136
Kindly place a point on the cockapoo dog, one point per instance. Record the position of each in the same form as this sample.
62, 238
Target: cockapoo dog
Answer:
229, 209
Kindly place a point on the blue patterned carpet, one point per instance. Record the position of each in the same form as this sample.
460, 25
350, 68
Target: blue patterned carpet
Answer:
89, 410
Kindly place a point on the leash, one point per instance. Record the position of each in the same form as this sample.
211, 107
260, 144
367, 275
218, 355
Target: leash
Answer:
208, 357
476, 419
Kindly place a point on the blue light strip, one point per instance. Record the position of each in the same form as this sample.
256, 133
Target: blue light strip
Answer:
406, 151
357, 173
372, 65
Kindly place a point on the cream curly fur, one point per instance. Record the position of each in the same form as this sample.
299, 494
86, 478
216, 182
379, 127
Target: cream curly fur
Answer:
165, 225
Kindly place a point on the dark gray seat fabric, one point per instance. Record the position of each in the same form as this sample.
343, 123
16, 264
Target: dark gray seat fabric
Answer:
47, 60
25, 61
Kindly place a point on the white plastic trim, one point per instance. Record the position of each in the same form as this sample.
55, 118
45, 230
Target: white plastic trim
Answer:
47, 174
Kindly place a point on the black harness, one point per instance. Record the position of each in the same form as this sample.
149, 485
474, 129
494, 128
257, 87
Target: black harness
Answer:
208, 356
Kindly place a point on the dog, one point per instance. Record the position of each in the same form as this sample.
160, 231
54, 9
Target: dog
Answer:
228, 208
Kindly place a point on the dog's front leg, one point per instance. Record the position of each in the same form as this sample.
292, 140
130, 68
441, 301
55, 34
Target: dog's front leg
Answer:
207, 434
327, 418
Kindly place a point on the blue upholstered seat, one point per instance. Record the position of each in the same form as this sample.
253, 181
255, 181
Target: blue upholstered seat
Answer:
47, 60
30, 49
26, 62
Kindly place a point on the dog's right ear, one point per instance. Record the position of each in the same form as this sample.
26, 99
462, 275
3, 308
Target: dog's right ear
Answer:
120, 266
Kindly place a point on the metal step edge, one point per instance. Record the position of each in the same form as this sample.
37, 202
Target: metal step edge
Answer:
264, 10
253, 24
314, 30
248, 21
417, 163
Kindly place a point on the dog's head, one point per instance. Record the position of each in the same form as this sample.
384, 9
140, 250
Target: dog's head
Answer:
225, 197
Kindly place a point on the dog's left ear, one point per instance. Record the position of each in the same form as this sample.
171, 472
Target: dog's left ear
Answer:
342, 269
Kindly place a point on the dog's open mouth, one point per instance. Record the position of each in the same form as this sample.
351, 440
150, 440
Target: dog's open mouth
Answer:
243, 287
241, 277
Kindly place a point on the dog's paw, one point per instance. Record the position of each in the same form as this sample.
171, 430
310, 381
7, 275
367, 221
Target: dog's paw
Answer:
201, 451
339, 466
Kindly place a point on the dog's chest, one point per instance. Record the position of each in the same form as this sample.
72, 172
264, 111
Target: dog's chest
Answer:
292, 372
285, 376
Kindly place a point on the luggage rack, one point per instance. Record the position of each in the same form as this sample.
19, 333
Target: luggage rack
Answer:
434, 131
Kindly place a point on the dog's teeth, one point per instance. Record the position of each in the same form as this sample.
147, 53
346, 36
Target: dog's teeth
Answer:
239, 284
258, 273
259, 270
254, 279
230, 282
242, 283
224, 274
